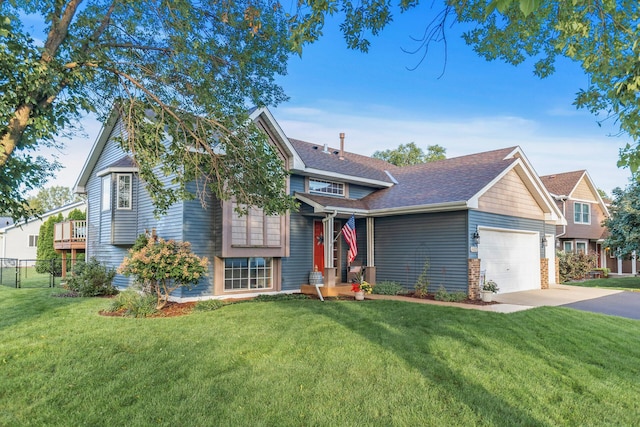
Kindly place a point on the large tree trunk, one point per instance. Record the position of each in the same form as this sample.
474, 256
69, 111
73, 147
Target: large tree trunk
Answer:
11, 136
14, 131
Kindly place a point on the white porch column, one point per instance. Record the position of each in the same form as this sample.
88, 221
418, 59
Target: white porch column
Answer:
619, 265
329, 268
633, 263
371, 264
370, 245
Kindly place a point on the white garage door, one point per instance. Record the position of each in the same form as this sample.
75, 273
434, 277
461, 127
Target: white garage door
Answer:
510, 258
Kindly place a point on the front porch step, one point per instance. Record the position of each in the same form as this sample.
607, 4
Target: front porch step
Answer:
327, 291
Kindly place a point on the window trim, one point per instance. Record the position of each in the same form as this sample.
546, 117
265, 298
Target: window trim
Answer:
586, 246
582, 213
33, 240
250, 278
332, 184
564, 246
118, 191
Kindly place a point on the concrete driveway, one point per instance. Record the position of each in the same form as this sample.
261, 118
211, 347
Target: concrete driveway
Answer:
605, 301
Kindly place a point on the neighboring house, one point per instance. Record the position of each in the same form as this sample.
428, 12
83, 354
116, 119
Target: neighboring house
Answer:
484, 212
577, 197
20, 240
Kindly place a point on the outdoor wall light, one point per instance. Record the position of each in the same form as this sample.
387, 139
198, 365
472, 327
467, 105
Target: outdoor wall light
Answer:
476, 237
544, 241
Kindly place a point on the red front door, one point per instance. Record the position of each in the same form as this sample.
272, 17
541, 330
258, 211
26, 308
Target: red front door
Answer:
318, 246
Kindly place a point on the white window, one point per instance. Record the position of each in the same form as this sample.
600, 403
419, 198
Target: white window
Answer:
326, 187
124, 191
567, 246
581, 213
255, 229
106, 192
33, 241
248, 273
581, 247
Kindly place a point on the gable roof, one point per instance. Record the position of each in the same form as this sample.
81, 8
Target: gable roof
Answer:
449, 184
44, 216
562, 185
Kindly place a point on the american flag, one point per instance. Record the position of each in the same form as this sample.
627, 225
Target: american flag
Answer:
349, 233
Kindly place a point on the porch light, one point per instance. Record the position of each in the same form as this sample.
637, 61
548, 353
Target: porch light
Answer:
476, 237
544, 241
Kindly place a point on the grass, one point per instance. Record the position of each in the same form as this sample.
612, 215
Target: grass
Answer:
304, 362
627, 283
28, 276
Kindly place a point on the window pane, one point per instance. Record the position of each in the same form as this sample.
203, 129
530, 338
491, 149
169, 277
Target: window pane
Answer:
585, 213
106, 193
577, 212
568, 247
248, 273
326, 187
581, 247
124, 192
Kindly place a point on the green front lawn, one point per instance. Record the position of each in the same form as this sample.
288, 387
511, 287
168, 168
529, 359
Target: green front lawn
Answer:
612, 282
306, 362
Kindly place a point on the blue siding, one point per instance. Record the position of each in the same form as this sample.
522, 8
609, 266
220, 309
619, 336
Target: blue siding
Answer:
359, 191
124, 222
296, 183
477, 218
199, 231
404, 243
296, 267
100, 224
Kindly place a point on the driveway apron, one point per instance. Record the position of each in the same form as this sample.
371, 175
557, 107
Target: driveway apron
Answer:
623, 304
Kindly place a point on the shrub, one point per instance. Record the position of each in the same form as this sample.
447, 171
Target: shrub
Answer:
443, 295
388, 288
91, 279
575, 265
281, 297
422, 284
209, 305
134, 303
162, 266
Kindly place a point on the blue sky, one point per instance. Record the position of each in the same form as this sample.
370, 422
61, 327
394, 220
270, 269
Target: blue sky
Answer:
474, 106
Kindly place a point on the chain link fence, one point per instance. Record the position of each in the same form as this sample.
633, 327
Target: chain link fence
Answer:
30, 273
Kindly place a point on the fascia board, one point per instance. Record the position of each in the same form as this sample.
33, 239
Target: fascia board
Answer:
319, 173
275, 127
96, 150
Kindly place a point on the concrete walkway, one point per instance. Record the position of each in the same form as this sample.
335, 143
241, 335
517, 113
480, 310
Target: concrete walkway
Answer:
517, 301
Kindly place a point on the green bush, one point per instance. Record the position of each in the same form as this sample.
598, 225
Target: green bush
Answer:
388, 288
134, 303
575, 265
443, 295
281, 297
209, 305
91, 279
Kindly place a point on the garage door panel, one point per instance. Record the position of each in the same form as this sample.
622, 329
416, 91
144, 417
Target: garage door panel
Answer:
511, 259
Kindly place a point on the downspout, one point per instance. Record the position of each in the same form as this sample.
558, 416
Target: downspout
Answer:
563, 199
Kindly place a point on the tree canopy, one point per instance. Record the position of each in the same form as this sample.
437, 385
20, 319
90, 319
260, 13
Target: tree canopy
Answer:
624, 220
181, 74
411, 154
50, 198
601, 36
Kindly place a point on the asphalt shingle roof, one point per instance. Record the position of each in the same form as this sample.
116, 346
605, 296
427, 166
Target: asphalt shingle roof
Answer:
356, 165
562, 184
446, 181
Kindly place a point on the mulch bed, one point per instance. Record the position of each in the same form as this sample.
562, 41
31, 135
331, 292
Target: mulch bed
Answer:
172, 309
467, 301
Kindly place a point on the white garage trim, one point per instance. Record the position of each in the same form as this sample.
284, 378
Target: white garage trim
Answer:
510, 257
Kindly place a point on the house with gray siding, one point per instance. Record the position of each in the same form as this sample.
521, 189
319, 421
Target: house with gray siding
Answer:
485, 212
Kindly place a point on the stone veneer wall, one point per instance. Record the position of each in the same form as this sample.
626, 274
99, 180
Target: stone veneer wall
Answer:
544, 273
557, 270
474, 278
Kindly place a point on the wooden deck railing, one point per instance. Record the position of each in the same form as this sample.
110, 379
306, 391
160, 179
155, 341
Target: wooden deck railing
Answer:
70, 234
